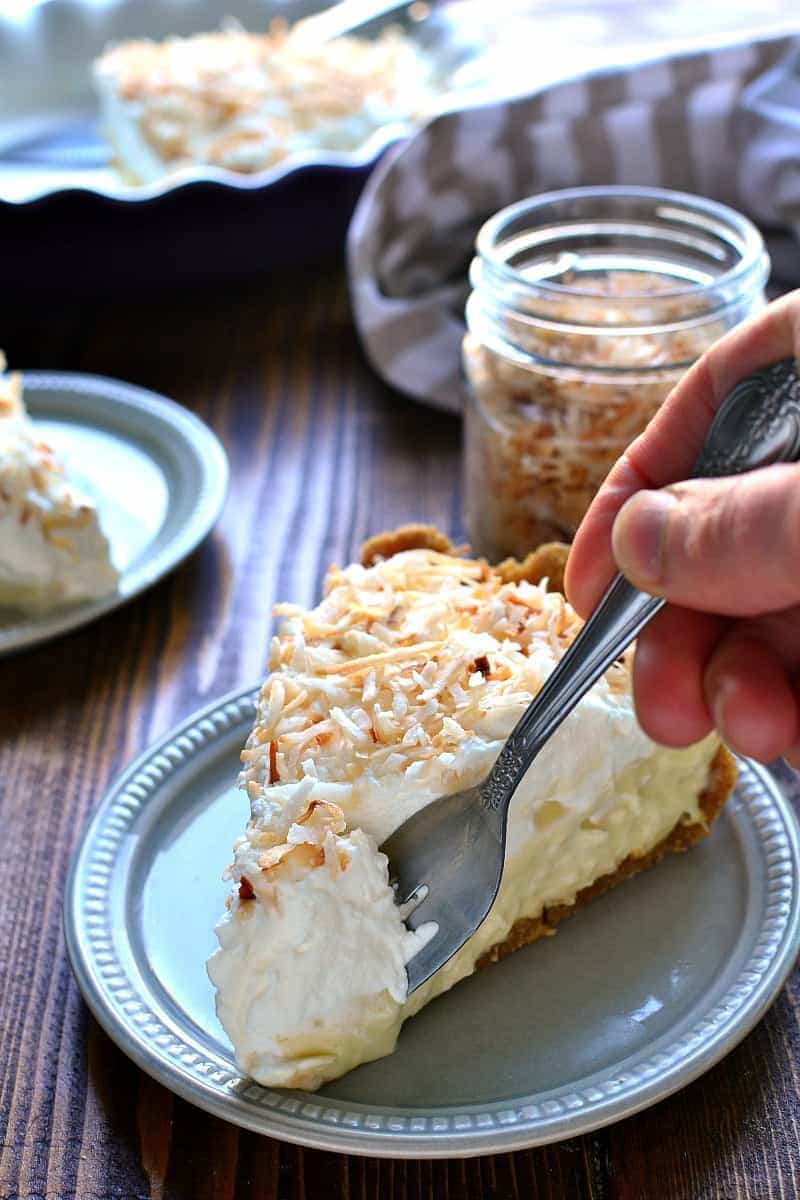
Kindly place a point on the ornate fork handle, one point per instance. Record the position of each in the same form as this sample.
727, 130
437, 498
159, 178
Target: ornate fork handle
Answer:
757, 424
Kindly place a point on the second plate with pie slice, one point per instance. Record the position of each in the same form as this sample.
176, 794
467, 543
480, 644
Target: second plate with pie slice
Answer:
156, 472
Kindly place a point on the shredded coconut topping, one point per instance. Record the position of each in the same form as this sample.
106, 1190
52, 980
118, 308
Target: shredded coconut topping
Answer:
400, 663
31, 478
243, 100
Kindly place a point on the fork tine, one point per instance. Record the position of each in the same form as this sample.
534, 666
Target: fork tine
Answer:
432, 849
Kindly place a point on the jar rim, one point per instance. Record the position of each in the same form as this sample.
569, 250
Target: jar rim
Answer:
749, 242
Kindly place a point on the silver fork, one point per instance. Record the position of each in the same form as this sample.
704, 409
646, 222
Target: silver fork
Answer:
449, 856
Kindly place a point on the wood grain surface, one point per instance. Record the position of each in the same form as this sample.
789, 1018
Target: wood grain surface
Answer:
321, 456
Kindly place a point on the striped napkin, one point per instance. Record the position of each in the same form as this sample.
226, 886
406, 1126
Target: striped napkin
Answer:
721, 123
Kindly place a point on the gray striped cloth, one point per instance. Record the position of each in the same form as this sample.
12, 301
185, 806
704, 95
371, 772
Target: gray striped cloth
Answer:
723, 123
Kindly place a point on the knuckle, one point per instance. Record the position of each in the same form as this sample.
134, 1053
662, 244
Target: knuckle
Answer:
710, 519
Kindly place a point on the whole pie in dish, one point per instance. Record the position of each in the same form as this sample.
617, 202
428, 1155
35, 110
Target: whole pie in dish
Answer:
52, 549
399, 687
244, 101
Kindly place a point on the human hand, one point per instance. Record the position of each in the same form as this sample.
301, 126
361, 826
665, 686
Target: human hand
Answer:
725, 554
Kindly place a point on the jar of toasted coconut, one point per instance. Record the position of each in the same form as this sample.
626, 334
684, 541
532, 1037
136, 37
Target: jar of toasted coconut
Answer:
587, 306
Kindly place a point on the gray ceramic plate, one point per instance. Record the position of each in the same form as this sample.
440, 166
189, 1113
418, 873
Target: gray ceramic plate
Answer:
157, 474
636, 996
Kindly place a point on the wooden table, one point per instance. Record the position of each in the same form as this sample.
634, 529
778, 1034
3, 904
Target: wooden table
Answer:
321, 456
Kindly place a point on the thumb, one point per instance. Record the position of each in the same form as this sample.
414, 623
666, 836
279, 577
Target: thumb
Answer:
728, 546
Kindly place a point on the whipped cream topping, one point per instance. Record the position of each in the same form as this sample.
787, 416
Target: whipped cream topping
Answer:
52, 549
243, 101
313, 953
400, 687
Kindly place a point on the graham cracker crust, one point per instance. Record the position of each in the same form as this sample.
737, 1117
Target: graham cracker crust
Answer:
548, 561
545, 562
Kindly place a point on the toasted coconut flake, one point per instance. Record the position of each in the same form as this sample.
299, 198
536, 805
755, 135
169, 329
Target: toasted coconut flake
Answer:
324, 814
302, 854
481, 664
274, 856
370, 661
343, 858
348, 726
246, 889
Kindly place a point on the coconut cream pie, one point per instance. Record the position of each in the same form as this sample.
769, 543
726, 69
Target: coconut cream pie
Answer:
399, 687
244, 101
52, 549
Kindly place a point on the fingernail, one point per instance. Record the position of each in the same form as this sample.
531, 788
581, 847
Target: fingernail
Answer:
638, 535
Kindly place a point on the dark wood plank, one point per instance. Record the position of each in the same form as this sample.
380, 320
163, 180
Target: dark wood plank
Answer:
321, 456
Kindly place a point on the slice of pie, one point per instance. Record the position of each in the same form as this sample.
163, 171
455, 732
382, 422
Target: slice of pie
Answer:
399, 687
52, 549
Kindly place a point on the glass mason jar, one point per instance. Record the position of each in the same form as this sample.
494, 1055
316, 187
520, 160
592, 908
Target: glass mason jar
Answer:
586, 307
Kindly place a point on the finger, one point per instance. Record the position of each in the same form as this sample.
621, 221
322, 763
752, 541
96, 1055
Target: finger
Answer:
668, 669
781, 631
729, 546
792, 756
590, 565
669, 447
751, 698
